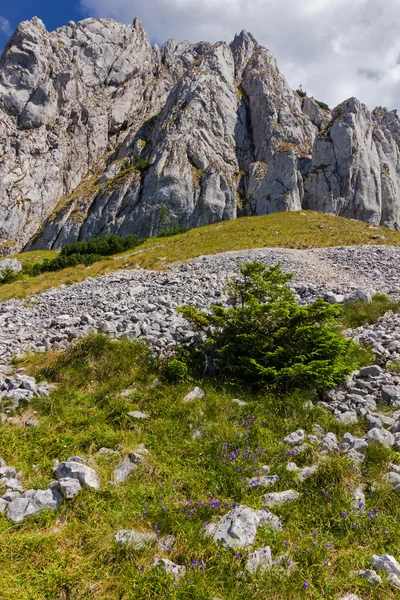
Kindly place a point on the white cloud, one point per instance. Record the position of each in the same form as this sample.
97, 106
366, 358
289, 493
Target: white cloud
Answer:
5, 27
334, 49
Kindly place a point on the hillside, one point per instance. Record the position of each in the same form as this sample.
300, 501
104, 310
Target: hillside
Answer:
301, 230
122, 469
101, 132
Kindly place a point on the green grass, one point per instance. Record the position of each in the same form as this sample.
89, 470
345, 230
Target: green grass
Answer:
70, 554
305, 229
356, 314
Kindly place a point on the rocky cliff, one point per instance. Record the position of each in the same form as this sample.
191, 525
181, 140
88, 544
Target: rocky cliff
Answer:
99, 130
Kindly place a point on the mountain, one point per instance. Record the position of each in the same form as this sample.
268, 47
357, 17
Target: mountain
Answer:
102, 132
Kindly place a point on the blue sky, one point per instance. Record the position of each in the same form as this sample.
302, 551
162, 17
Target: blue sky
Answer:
53, 14
334, 49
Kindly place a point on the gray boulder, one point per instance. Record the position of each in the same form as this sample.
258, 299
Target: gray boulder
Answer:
86, 476
295, 438
381, 437
33, 502
69, 487
238, 528
387, 563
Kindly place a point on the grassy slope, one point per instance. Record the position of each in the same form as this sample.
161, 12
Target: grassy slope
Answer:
283, 230
71, 554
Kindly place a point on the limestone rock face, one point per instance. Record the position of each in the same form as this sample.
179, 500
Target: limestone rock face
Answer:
282, 135
100, 132
355, 166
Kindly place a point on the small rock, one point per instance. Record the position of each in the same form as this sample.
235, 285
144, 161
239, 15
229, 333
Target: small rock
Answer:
177, 571
263, 481
136, 414
259, 560
306, 472
387, 563
34, 502
371, 576
134, 539
239, 402
329, 443
107, 452
358, 500
295, 438
347, 418
394, 580
277, 498
371, 371
291, 466
238, 528
381, 437
86, 476
195, 394
69, 487
166, 543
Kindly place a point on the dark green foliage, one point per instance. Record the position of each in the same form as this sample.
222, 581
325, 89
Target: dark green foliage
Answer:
322, 105
104, 246
301, 93
165, 227
87, 253
8, 275
126, 165
140, 163
356, 314
174, 230
176, 370
266, 338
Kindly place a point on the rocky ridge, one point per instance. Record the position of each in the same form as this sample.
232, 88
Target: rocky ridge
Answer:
99, 130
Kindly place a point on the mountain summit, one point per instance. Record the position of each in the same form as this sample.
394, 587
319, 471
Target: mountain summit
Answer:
102, 132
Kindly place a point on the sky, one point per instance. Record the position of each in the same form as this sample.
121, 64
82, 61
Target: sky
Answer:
333, 48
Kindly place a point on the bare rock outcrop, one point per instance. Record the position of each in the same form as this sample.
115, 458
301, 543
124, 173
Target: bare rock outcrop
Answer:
101, 132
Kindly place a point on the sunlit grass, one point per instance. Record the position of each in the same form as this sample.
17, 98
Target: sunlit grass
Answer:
305, 229
71, 554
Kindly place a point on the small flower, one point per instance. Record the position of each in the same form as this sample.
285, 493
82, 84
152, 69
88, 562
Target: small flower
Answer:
345, 513
141, 569
305, 584
194, 563
315, 532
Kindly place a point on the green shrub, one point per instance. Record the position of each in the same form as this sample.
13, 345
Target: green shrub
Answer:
126, 165
266, 338
103, 246
140, 163
356, 314
8, 275
322, 105
87, 253
176, 370
301, 93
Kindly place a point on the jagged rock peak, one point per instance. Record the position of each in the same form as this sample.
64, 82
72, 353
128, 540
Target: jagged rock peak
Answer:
99, 131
